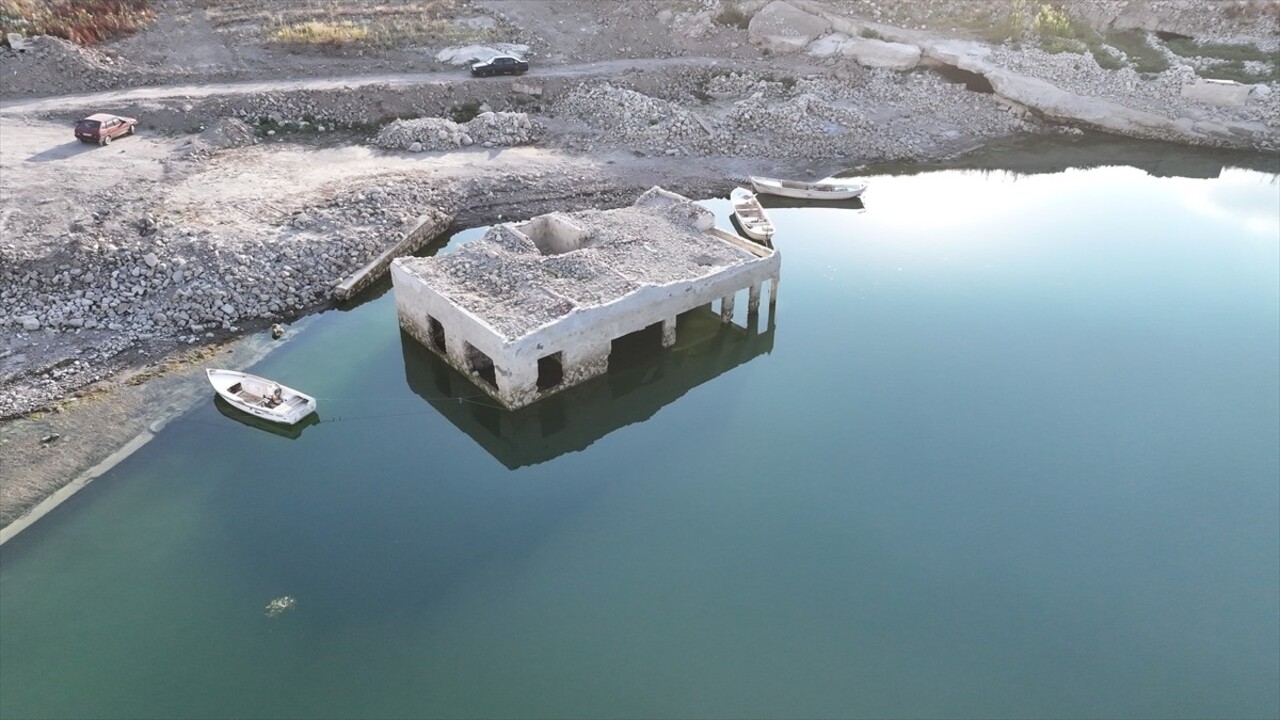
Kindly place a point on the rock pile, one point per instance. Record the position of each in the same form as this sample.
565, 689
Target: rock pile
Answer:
812, 117
225, 133
489, 129
127, 282
50, 66
632, 118
1160, 94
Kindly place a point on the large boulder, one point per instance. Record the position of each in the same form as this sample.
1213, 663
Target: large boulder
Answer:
881, 54
1216, 92
827, 45
782, 27
468, 54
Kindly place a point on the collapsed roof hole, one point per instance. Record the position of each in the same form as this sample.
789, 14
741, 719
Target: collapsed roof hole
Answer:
554, 233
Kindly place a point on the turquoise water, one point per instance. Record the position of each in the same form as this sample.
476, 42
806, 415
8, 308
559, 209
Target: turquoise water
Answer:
1010, 447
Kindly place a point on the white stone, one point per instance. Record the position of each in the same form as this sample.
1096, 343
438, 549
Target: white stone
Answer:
783, 27
16, 41
29, 323
827, 45
881, 54
467, 54
1216, 92
151, 260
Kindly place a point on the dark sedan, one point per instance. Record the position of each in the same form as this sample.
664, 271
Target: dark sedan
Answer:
500, 65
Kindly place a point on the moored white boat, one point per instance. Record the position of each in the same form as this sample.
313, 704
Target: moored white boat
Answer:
261, 397
829, 189
750, 214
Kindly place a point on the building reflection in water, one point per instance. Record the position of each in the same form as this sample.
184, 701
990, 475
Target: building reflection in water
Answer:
642, 378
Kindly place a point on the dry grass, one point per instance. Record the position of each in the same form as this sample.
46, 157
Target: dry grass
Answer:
316, 32
86, 22
334, 24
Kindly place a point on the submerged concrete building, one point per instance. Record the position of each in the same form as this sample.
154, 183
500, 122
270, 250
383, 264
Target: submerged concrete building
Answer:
533, 308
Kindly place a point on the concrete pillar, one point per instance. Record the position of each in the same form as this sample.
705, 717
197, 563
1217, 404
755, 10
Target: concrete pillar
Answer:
726, 309
456, 350
669, 332
753, 299
581, 363
773, 292
517, 383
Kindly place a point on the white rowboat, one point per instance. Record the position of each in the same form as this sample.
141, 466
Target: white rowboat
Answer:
750, 214
829, 189
261, 397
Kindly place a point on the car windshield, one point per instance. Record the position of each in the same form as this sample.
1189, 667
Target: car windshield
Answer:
88, 124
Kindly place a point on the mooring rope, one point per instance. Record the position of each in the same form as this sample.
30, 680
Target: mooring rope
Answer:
464, 399
345, 418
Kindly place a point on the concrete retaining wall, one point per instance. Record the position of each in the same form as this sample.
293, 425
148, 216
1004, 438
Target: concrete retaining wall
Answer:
429, 227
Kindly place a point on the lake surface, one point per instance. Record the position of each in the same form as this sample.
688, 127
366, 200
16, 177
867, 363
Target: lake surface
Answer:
1010, 447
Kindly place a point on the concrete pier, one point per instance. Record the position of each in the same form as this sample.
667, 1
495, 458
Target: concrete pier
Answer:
427, 228
533, 308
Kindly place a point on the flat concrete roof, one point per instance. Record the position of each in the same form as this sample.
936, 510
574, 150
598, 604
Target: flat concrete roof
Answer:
508, 282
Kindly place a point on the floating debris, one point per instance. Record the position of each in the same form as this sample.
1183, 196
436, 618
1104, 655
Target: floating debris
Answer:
279, 605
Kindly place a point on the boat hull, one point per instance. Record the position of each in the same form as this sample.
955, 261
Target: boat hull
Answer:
808, 191
754, 232
750, 215
260, 397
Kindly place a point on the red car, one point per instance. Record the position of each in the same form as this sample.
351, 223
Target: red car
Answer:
102, 128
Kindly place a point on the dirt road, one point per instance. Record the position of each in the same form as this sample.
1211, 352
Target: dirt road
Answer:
132, 96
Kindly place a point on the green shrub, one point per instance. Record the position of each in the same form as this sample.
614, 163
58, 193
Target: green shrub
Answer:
1141, 54
1219, 51
1052, 21
870, 34
1235, 70
1055, 45
1104, 58
464, 112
